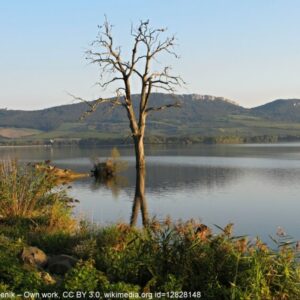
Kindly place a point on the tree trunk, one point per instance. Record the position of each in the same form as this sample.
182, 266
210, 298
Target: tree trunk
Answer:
139, 152
139, 201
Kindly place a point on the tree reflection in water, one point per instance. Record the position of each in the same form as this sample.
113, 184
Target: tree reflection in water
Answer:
139, 201
118, 182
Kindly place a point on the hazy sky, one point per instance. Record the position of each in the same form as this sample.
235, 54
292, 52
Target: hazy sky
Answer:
247, 51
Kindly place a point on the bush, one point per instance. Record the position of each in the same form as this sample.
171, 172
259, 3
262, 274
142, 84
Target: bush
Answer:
85, 277
14, 276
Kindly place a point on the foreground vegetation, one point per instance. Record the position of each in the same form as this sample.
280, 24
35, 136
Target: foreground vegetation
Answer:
166, 256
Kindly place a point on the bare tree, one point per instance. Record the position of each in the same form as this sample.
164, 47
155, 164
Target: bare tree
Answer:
147, 46
140, 66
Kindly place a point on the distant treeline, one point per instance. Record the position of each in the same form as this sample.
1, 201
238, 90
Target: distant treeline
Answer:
153, 140
196, 140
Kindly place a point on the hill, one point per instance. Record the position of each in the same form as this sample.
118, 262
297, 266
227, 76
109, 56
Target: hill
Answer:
280, 110
200, 115
194, 107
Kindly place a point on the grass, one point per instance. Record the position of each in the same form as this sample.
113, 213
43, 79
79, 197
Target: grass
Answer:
17, 132
165, 256
31, 195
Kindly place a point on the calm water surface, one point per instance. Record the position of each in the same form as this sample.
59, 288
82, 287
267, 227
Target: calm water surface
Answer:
256, 187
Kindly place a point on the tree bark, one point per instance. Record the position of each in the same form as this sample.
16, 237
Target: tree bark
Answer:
139, 152
139, 139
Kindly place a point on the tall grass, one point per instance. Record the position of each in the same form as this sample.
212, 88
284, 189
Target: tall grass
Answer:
28, 193
187, 256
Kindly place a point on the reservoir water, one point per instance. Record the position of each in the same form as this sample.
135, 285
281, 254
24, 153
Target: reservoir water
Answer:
256, 187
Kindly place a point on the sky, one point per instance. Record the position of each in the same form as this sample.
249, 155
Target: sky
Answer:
246, 51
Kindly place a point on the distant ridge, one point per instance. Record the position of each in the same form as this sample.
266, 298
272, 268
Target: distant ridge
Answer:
212, 98
203, 115
51, 118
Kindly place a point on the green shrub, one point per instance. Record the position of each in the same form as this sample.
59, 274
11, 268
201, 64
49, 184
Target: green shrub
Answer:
54, 242
13, 274
85, 277
122, 287
4, 288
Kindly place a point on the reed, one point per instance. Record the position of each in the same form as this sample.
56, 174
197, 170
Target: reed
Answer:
30, 194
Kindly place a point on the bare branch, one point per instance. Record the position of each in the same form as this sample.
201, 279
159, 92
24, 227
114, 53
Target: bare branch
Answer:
110, 55
107, 83
164, 88
166, 46
93, 105
159, 108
